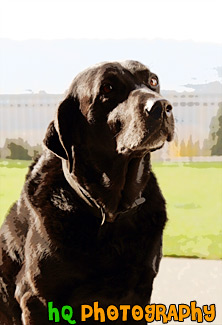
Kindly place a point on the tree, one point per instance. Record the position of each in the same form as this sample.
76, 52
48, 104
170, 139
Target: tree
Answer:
216, 150
183, 149
18, 152
196, 149
190, 151
30, 151
213, 143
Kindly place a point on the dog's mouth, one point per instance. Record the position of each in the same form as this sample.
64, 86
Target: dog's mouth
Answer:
152, 138
158, 138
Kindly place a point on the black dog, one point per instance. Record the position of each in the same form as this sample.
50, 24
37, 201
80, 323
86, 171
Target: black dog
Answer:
88, 225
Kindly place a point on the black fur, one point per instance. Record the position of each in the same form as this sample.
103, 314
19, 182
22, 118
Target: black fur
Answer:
53, 246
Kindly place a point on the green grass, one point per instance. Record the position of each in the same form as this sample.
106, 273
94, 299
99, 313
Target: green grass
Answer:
194, 203
193, 192
12, 176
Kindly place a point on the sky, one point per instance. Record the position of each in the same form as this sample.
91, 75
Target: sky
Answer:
197, 20
24, 64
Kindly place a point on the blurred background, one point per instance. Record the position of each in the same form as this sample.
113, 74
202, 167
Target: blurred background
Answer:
44, 44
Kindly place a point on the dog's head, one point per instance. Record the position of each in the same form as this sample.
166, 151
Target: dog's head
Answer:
115, 107
113, 112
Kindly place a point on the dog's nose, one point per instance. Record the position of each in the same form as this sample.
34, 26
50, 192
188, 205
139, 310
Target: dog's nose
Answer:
156, 108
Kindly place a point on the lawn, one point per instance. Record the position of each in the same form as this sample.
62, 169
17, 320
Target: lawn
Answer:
194, 203
12, 175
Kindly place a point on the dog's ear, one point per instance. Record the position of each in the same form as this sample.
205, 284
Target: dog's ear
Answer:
52, 141
60, 135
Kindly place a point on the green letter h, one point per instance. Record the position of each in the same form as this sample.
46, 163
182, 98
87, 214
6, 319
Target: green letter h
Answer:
53, 311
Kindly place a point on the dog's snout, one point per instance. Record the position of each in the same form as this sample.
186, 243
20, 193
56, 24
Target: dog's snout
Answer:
156, 108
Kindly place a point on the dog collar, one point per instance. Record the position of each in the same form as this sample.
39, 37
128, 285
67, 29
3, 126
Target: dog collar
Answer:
82, 193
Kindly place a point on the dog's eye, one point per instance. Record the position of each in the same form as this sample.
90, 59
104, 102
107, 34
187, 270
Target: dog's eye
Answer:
107, 88
153, 81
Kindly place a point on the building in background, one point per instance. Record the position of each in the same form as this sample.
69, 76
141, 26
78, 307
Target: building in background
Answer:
24, 119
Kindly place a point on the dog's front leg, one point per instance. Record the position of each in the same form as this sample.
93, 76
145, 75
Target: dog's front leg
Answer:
34, 311
32, 304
